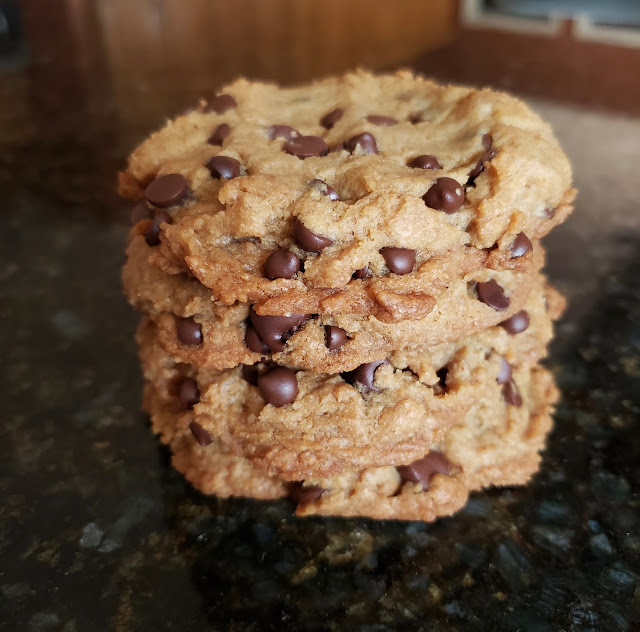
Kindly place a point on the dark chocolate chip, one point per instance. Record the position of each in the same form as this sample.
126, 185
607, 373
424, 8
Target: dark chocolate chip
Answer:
188, 393
399, 260
200, 434
445, 194
424, 162
418, 117
505, 372
521, 246
365, 375
308, 240
550, 213
487, 141
516, 323
422, 470
281, 264
220, 104
250, 374
511, 394
441, 387
365, 142
253, 341
490, 293
322, 187
167, 190
219, 134
276, 330
282, 131
152, 234
223, 167
362, 273
306, 147
303, 494
334, 337
479, 168
189, 332
140, 211
278, 386
331, 118
381, 121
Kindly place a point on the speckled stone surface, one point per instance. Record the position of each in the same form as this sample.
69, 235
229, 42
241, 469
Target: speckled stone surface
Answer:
98, 533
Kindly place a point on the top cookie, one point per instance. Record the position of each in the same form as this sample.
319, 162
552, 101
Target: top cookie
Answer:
266, 191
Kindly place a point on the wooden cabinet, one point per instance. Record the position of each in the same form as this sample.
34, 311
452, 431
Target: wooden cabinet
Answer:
163, 54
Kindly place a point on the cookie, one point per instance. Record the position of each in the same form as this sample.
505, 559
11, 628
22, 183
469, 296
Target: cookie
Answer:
295, 424
342, 291
310, 188
465, 307
497, 449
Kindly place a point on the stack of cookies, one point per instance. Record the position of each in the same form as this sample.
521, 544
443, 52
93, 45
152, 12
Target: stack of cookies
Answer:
342, 291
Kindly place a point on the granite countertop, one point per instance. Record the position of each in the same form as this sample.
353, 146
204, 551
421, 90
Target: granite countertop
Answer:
97, 532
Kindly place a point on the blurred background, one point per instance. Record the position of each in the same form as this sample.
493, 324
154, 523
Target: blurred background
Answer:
138, 61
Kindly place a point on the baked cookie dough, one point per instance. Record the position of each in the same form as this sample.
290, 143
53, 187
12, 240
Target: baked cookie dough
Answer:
286, 190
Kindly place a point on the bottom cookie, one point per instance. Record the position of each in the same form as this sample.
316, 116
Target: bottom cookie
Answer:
489, 448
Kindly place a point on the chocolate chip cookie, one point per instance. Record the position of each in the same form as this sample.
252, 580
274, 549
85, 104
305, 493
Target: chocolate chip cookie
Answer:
342, 291
361, 176
245, 333
488, 448
297, 423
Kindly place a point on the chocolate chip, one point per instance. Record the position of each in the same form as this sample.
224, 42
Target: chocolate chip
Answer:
422, 470
223, 167
446, 194
188, 393
487, 141
424, 162
308, 240
276, 330
516, 323
490, 293
381, 121
281, 264
219, 134
511, 394
479, 168
399, 260
505, 372
220, 104
250, 373
331, 118
200, 434
278, 386
365, 375
362, 273
521, 246
152, 234
189, 332
441, 387
334, 337
253, 341
365, 142
167, 190
306, 147
303, 494
282, 131
324, 188
550, 213
418, 117
140, 211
